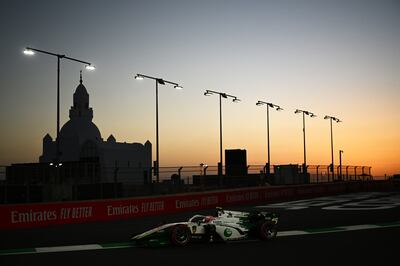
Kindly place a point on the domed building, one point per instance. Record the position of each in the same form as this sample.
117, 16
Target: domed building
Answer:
80, 141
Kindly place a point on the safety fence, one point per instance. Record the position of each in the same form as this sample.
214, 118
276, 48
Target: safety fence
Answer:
317, 173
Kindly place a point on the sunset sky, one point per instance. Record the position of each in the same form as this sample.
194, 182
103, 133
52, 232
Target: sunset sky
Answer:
337, 58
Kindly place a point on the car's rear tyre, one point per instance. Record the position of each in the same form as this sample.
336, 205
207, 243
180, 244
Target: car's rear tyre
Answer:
180, 235
267, 230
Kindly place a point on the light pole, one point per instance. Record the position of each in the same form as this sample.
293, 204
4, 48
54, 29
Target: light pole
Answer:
162, 82
340, 163
234, 99
304, 136
278, 108
31, 51
337, 120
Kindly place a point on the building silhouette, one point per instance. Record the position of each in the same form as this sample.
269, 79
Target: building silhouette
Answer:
80, 140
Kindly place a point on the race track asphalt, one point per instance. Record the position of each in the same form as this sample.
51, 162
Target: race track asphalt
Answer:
329, 246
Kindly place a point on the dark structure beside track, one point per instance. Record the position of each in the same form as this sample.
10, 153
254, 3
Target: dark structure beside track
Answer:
79, 181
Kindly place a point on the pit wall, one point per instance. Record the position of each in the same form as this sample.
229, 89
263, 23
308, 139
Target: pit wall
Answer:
15, 216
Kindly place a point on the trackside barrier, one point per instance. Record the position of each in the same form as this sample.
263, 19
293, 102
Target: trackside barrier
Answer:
43, 214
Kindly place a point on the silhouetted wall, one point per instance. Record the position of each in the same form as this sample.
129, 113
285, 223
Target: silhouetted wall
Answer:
235, 162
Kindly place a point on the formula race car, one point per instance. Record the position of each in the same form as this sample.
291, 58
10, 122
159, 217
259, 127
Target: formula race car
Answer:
223, 227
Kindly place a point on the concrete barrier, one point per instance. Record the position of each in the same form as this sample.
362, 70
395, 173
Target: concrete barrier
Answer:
43, 214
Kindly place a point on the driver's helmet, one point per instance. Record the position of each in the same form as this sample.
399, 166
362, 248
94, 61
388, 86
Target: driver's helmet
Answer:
208, 219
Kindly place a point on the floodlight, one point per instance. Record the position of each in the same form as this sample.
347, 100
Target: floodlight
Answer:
138, 77
90, 67
178, 87
29, 51
235, 100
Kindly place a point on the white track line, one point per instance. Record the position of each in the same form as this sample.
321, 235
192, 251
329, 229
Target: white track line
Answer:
292, 233
68, 248
359, 227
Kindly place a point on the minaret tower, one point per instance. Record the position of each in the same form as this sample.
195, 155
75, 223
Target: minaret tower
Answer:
81, 109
